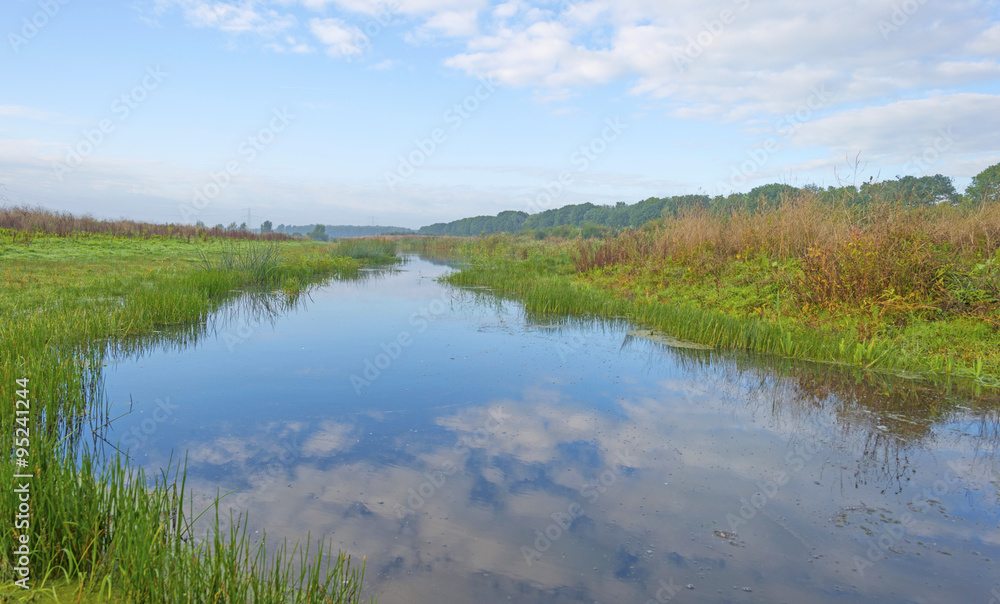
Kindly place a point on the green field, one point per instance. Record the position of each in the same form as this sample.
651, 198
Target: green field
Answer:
96, 529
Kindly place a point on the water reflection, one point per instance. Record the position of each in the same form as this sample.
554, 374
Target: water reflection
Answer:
504, 455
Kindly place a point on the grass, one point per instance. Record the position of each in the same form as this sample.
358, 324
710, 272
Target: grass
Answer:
98, 531
372, 249
256, 262
891, 288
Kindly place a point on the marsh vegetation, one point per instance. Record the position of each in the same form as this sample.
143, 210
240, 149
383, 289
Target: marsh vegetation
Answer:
911, 289
99, 529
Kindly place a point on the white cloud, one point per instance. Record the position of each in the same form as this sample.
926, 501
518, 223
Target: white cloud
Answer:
988, 42
542, 55
28, 113
941, 129
247, 16
451, 23
290, 44
340, 38
731, 59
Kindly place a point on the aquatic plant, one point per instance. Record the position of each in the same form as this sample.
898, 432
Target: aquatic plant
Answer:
378, 249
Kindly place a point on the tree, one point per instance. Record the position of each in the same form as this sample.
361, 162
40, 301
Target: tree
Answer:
912, 190
199, 224
769, 195
319, 233
231, 227
591, 230
243, 227
265, 227
985, 186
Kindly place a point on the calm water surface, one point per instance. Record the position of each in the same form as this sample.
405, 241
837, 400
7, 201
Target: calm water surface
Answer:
473, 453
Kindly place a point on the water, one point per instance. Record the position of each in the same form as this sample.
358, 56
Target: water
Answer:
475, 454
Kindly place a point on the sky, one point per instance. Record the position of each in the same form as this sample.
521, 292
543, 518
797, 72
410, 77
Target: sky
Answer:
411, 112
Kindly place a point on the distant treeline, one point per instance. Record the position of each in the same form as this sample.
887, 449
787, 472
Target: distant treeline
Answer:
341, 231
63, 224
592, 219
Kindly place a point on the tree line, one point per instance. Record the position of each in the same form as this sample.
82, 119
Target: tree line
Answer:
591, 220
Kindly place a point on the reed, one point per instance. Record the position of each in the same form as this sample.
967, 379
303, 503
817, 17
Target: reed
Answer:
27, 222
254, 262
377, 249
752, 304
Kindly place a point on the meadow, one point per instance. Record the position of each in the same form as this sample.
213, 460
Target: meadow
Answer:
97, 529
912, 290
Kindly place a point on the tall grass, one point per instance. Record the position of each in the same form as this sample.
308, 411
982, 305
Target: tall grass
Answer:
255, 262
549, 294
95, 523
853, 255
377, 249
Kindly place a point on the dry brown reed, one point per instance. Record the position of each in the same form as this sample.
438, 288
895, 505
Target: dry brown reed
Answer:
62, 224
847, 253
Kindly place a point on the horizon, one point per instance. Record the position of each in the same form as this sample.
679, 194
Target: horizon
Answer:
416, 112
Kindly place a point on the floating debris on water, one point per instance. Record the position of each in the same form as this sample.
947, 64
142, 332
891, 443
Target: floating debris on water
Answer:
662, 338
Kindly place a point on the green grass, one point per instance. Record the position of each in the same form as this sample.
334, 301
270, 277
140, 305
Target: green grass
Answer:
745, 305
375, 249
256, 262
98, 531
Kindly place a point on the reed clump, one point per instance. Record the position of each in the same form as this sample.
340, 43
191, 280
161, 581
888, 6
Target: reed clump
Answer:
377, 249
849, 255
256, 262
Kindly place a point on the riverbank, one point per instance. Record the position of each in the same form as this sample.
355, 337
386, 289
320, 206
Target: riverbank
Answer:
912, 291
93, 529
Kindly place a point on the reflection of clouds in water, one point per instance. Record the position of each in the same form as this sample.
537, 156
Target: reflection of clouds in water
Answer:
691, 455
222, 450
329, 438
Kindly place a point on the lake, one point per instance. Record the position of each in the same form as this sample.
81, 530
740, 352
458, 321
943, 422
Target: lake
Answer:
473, 452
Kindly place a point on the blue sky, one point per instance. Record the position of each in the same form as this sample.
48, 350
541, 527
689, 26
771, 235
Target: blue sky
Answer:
410, 112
